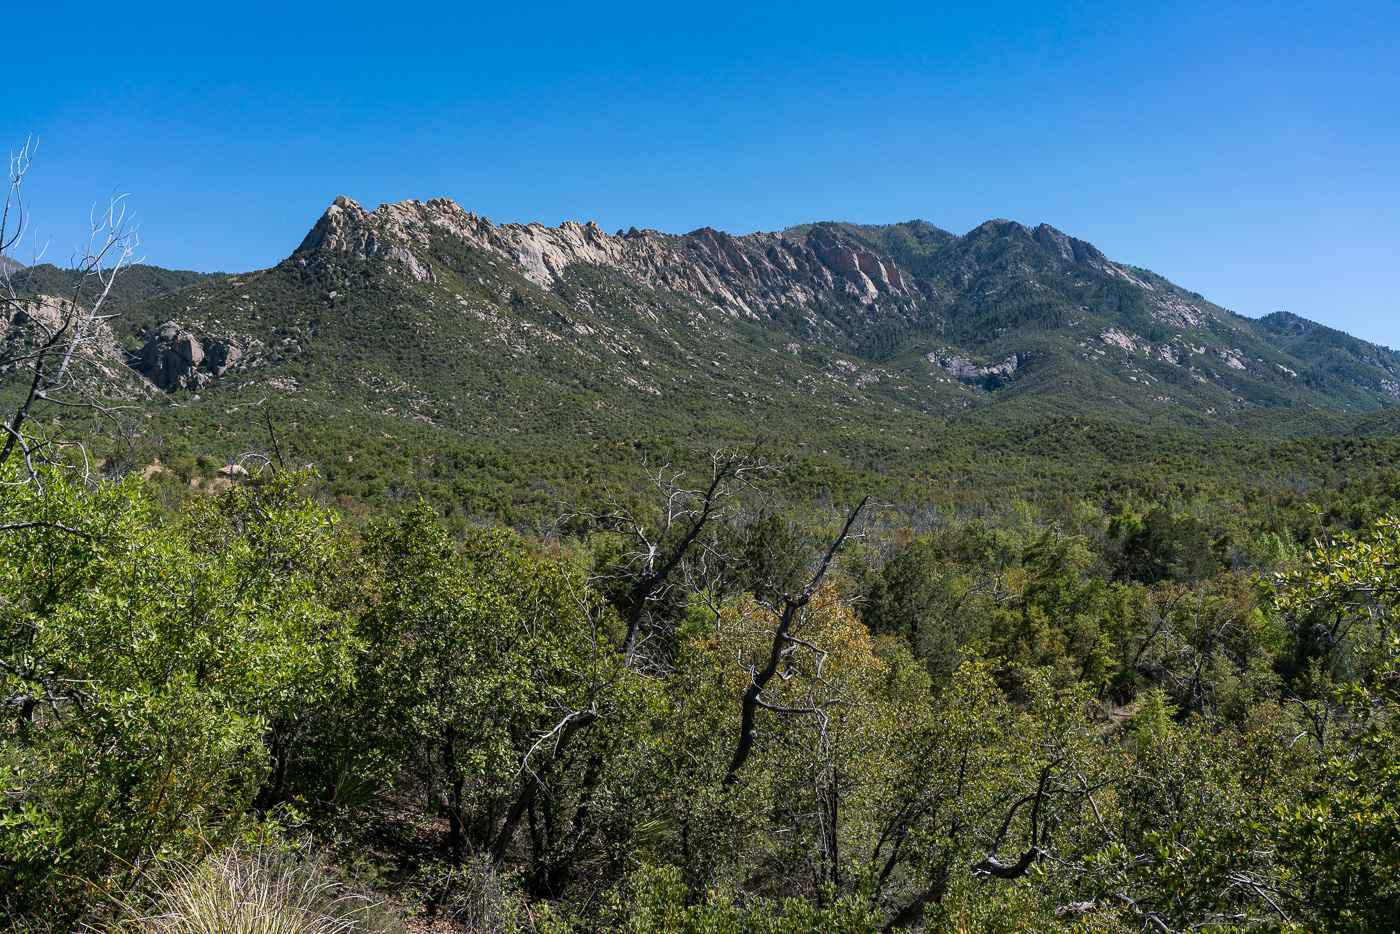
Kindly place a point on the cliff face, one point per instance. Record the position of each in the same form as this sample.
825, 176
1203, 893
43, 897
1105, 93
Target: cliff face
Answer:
746, 275
808, 271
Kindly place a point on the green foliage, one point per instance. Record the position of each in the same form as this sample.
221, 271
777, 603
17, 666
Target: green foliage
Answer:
1153, 718
656, 903
1164, 547
986, 726
143, 665
471, 652
1340, 840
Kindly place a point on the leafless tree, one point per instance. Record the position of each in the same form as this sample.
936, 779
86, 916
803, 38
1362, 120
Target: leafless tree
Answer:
63, 331
654, 550
784, 643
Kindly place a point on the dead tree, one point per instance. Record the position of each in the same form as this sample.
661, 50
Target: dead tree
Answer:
65, 330
51, 336
656, 550
784, 643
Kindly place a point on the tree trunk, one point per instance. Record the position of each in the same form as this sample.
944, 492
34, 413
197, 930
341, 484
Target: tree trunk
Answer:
536, 850
911, 913
531, 788
561, 867
454, 797
832, 841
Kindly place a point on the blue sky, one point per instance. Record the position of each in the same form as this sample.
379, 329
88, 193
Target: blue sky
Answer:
1246, 151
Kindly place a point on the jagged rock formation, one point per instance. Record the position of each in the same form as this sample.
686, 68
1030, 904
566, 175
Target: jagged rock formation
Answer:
1086, 254
171, 358
344, 228
744, 275
174, 359
221, 356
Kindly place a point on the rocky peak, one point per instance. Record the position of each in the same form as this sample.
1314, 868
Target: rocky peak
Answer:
346, 227
1073, 250
745, 275
1056, 242
855, 262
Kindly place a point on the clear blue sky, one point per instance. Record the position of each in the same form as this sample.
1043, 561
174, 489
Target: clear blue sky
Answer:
1250, 152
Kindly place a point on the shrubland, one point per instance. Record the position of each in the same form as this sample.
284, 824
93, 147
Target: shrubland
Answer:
416, 620
1158, 718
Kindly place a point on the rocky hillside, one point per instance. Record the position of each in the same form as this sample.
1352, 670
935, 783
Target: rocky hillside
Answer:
428, 312
98, 370
1006, 310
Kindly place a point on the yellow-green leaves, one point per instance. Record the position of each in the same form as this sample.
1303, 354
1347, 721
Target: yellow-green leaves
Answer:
156, 657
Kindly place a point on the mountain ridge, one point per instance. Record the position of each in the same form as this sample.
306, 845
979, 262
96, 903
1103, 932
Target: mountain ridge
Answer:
769, 277
422, 310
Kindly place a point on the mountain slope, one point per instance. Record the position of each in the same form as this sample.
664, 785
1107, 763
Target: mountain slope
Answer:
1334, 352
827, 335
1004, 323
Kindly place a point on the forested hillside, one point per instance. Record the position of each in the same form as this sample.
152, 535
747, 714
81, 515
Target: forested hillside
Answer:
460, 577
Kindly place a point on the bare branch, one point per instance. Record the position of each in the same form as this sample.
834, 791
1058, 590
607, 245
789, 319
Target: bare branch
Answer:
782, 639
110, 249
17, 526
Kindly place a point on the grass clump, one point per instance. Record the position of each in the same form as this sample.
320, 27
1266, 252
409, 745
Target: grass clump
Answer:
259, 893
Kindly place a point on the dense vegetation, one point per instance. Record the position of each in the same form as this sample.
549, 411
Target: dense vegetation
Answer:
452, 605
1161, 717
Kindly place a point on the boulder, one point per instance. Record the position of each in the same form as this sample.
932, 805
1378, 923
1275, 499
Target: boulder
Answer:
175, 359
171, 357
221, 355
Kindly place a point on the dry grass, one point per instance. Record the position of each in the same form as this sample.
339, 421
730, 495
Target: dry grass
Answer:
261, 893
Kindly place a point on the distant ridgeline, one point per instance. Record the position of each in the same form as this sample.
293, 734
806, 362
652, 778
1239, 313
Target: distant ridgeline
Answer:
898, 350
